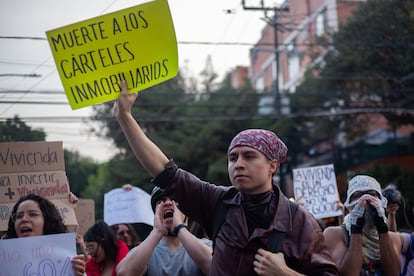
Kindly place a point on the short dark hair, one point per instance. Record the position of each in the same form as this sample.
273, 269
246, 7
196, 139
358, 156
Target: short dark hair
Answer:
101, 233
53, 220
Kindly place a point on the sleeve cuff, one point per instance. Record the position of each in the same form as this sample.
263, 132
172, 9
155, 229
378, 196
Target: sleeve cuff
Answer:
165, 176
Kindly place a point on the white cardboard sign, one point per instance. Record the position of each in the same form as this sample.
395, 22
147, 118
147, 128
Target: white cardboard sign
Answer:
40, 255
316, 187
128, 206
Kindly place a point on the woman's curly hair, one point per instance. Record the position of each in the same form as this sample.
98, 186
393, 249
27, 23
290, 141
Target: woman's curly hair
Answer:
52, 218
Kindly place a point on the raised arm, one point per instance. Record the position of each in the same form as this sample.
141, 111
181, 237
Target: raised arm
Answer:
136, 262
200, 252
148, 154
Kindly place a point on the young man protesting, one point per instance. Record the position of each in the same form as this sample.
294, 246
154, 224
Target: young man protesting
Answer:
256, 208
170, 248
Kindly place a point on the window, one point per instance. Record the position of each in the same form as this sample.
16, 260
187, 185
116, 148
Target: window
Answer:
320, 23
260, 84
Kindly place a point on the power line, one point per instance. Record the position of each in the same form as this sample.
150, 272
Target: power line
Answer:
209, 117
21, 75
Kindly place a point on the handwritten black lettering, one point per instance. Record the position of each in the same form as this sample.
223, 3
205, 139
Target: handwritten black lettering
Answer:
4, 181
78, 37
147, 73
93, 60
32, 158
36, 178
129, 22
5, 212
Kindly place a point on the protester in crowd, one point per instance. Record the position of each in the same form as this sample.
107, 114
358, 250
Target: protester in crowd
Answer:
393, 196
33, 215
170, 248
256, 207
105, 249
362, 245
127, 233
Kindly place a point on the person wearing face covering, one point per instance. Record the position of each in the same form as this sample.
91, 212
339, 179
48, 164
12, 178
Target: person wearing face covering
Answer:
363, 244
255, 205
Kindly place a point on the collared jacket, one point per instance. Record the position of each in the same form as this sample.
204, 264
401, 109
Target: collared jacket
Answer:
303, 247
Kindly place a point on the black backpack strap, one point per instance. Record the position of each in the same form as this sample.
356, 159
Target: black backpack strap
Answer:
275, 241
219, 217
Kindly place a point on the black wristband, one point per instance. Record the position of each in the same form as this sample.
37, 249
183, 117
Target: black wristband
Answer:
357, 228
178, 228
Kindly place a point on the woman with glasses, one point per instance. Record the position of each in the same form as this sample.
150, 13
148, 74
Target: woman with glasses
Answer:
126, 233
105, 249
34, 215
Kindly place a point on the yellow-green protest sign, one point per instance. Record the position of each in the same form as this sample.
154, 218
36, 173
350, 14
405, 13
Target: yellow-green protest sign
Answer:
137, 44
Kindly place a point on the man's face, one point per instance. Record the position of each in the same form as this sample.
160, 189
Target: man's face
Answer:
357, 195
250, 171
124, 234
168, 208
362, 198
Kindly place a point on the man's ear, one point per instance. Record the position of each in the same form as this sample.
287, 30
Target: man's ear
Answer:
274, 165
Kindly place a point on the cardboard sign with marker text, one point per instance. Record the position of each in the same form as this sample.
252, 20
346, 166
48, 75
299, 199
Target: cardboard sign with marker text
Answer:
33, 168
316, 187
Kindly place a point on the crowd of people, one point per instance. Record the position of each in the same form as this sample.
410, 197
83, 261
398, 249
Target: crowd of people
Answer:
249, 228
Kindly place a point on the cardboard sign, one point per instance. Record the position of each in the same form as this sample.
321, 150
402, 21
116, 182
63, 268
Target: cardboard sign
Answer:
31, 157
137, 44
47, 184
41, 255
34, 168
123, 206
316, 187
85, 215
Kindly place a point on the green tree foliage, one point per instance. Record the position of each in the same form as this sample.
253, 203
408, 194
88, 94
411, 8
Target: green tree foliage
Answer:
14, 130
97, 188
78, 169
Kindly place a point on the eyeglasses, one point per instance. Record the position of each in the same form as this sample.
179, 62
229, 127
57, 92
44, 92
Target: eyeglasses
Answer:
122, 233
32, 215
92, 247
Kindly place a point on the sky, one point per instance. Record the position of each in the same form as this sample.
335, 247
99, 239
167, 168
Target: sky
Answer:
219, 28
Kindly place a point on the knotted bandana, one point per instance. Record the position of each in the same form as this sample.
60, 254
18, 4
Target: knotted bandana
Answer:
265, 141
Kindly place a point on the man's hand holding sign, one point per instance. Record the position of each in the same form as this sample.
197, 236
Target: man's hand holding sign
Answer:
137, 44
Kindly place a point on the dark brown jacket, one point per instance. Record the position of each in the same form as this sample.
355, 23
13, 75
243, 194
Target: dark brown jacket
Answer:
234, 251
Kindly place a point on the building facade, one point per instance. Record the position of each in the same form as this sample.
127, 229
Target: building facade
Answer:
295, 31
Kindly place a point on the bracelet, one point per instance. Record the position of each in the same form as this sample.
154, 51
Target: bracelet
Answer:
178, 228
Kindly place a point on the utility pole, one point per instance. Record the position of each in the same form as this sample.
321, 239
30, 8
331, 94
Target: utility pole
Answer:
272, 21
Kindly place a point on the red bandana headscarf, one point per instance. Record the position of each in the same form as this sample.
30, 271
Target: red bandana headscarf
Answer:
265, 141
